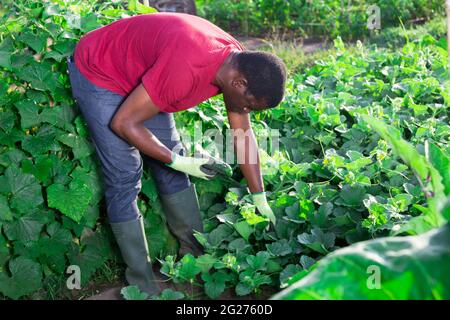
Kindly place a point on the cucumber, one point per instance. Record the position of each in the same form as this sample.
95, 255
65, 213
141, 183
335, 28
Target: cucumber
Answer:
215, 166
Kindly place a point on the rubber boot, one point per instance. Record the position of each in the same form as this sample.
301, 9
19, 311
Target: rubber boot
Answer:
130, 237
182, 213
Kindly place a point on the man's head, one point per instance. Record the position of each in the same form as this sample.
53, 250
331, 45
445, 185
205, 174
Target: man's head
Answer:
252, 81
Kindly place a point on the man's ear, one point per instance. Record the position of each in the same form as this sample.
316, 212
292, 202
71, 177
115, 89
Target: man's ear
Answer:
240, 83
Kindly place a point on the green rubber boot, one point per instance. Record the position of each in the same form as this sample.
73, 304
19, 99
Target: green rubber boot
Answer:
130, 237
182, 213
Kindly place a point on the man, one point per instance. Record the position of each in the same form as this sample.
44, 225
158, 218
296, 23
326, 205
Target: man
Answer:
128, 78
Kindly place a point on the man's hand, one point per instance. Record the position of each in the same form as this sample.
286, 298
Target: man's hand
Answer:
192, 166
260, 201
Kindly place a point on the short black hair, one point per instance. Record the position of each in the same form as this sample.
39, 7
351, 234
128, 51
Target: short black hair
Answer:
265, 73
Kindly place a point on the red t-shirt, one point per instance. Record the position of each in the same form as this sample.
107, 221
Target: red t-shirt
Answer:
176, 57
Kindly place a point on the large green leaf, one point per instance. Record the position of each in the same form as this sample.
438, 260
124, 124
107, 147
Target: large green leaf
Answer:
80, 146
13, 156
34, 41
42, 142
5, 211
189, 268
133, 293
215, 283
40, 75
91, 254
29, 113
279, 248
413, 267
6, 51
26, 277
91, 179
24, 189
11, 138
25, 228
244, 229
59, 116
72, 201
7, 119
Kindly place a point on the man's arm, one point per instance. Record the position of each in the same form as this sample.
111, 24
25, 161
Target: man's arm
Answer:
128, 123
246, 145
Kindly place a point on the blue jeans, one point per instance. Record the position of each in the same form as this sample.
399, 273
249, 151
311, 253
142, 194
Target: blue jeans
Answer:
122, 163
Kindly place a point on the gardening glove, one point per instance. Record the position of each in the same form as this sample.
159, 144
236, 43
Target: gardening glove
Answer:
203, 166
260, 201
190, 165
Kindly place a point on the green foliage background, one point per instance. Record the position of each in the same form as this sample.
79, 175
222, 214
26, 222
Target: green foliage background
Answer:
323, 18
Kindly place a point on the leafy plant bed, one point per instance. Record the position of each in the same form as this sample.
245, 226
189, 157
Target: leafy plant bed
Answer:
332, 183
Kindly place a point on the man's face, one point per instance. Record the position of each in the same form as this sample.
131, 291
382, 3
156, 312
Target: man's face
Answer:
238, 100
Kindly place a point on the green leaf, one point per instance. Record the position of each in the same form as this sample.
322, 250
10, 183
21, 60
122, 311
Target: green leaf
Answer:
59, 116
238, 245
169, 294
40, 75
6, 51
406, 268
244, 229
149, 189
5, 212
89, 22
36, 42
205, 262
91, 179
189, 268
352, 195
442, 164
259, 261
81, 147
317, 240
10, 157
133, 293
29, 113
139, 8
248, 212
288, 272
279, 248
42, 168
25, 228
72, 201
42, 142
7, 119
26, 277
26, 193
307, 262
220, 234
91, 254
4, 250
215, 283
11, 138
242, 289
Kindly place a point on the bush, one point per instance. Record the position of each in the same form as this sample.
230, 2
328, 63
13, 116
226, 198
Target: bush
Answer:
326, 18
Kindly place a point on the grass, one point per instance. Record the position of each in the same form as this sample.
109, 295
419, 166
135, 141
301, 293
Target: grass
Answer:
296, 60
399, 36
111, 273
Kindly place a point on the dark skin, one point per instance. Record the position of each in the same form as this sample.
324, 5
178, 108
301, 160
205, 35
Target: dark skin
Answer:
128, 122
